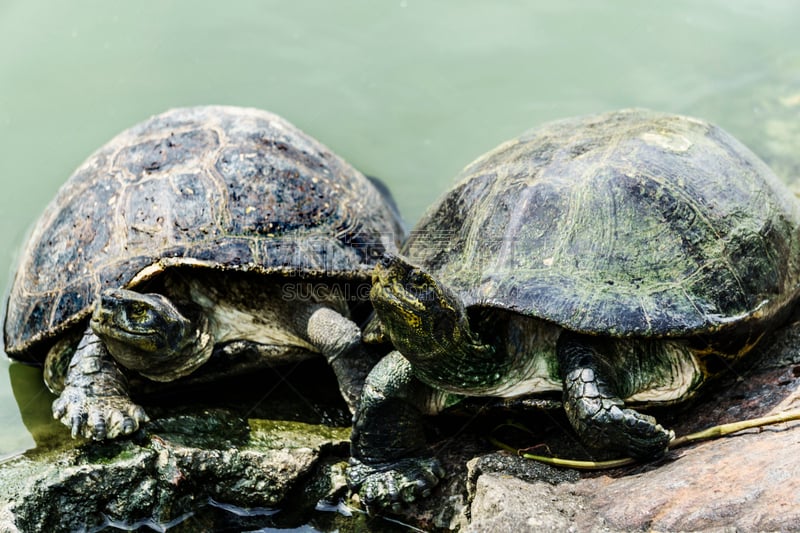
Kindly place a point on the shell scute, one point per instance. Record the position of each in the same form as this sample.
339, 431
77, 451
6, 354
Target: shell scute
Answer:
272, 196
163, 153
70, 240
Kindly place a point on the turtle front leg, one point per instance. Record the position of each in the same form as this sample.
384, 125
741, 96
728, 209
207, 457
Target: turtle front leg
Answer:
388, 467
593, 404
339, 340
95, 401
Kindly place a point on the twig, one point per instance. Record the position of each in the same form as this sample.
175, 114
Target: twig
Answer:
710, 433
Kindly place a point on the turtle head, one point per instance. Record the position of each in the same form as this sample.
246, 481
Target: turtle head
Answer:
422, 316
147, 333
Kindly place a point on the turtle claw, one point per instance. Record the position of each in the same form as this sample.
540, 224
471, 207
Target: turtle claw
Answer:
97, 417
97, 425
392, 485
75, 427
641, 435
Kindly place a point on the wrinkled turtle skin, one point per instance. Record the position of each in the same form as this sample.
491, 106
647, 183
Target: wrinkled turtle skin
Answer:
619, 259
201, 242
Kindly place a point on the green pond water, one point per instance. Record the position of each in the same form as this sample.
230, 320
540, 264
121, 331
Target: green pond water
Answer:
406, 90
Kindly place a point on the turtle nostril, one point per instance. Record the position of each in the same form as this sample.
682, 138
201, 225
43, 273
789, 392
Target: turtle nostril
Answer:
109, 299
387, 259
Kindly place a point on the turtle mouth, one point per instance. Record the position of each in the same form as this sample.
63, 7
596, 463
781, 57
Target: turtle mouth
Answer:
133, 323
380, 275
384, 290
115, 333
389, 290
105, 324
106, 318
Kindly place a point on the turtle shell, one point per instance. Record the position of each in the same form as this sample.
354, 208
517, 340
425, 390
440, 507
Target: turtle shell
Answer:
630, 223
215, 186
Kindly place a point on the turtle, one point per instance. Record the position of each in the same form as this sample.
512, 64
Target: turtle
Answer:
618, 261
203, 242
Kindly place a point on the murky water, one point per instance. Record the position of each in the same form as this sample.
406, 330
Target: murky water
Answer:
406, 90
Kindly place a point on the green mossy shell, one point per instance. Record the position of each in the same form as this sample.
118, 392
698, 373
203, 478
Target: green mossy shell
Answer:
630, 223
215, 186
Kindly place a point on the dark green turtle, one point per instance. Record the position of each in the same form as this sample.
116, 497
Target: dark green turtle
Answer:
202, 231
621, 258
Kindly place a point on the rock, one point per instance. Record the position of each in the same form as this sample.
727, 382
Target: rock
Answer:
268, 450
504, 503
749, 482
509, 493
182, 463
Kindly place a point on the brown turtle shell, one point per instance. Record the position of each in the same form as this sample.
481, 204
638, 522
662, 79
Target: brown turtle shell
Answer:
214, 186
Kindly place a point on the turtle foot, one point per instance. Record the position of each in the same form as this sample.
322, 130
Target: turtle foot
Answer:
388, 486
613, 427
594, 407
97, 417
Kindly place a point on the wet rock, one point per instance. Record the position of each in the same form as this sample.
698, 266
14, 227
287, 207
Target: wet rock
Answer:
183, 462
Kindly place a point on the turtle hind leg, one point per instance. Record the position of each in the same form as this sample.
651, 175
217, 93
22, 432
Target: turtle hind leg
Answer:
593, 404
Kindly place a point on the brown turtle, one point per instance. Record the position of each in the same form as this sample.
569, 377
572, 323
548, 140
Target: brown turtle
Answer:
205, 230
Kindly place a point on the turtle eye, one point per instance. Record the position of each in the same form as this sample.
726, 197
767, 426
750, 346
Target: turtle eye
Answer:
138, 312
420, 286
417, 281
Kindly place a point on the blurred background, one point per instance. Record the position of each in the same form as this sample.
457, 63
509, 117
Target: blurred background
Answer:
406, 90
